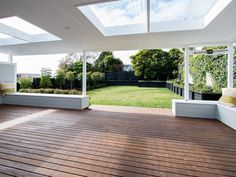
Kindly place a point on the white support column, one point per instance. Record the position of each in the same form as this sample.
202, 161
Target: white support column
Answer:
186, 74
10, 58
84, 80
230, 76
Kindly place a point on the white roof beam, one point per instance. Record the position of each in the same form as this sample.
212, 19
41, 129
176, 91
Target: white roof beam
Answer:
92, 2
148, 16
215, 52
14, 33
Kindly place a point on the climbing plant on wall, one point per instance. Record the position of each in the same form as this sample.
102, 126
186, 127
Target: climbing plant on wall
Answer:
216, 65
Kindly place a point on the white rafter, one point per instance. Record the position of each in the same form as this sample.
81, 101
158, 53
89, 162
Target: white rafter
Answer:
14, 33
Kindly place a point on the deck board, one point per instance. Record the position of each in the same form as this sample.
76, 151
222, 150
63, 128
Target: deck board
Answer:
114, 141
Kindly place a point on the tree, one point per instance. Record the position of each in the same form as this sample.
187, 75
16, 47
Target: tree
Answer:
76, 67
45, 81
106, 62
155, 64
70, 76
73, 62
60, 77
177, 59
25, 82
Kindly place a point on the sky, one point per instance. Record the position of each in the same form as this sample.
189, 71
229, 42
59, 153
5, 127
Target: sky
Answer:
34, 63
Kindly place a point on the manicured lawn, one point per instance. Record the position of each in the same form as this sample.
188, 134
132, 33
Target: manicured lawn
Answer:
132, 96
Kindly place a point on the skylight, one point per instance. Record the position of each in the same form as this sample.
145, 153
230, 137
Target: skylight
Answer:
121, 13
14, 30
142, 16
4, 36
22, 25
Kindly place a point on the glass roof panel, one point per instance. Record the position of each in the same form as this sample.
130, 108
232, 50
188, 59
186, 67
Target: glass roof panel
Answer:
134, 16
22, 25
120, 13
4, 36
178, 10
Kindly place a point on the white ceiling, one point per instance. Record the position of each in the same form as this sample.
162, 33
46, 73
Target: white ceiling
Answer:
62, 19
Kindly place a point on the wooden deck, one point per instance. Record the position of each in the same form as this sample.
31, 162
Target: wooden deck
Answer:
112, 141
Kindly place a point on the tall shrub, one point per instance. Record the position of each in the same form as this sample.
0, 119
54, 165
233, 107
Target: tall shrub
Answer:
45, 81
60, 77
25, 82
70, 76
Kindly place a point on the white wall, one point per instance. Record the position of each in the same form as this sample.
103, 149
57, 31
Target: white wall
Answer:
7, 74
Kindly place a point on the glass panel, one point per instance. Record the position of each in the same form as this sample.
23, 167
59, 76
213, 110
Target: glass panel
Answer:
175, 10
4, 36
120, 13
22, 25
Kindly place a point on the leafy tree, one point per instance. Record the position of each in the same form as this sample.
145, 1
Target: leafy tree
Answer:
70, 76
45, 81
177, 59
25, 82
77, 66
155, 64
60, 77
106, 62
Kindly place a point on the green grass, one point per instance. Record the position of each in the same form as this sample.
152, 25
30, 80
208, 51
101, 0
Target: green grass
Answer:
132, 96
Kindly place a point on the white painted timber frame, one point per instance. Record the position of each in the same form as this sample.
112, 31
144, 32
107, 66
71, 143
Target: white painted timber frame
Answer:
84, 79
186, 74
230, 66
206, 109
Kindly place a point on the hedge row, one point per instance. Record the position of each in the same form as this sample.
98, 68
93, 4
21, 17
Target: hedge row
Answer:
51, 91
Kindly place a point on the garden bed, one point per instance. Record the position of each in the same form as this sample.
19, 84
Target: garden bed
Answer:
178, 89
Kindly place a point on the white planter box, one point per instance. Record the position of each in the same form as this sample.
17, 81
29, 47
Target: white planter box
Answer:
47, 100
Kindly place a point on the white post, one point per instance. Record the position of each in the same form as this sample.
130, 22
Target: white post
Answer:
186, 74
10, 58
230, 76
84, 74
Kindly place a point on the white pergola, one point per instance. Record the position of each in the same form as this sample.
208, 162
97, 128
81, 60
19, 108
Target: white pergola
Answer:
90, 25
230, 66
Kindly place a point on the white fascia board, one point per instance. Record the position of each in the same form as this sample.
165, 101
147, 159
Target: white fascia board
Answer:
14, 33
92, 2
219, 6
11, 41
95, 21
215, 52
44, 37
125, 30
178, 25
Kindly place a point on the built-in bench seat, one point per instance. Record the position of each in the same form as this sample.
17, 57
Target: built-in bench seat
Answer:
205, 109
47, 100
227, 115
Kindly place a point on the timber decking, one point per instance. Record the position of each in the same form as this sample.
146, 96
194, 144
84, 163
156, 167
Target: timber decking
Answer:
114, 141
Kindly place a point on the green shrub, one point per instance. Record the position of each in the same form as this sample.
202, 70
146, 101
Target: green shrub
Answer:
25, 82
97, 76
45, 80
50, 91
60, 77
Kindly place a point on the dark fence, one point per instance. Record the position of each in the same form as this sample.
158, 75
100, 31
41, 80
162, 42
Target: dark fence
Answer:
121, 76
152, 83
77, 84
122, 83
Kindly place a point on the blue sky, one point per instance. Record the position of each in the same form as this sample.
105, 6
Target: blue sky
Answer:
125, 12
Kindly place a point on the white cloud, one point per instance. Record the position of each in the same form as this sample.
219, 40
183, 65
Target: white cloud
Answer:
120, 13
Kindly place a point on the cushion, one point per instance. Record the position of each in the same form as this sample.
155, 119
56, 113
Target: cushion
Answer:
7, 88
228, 97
